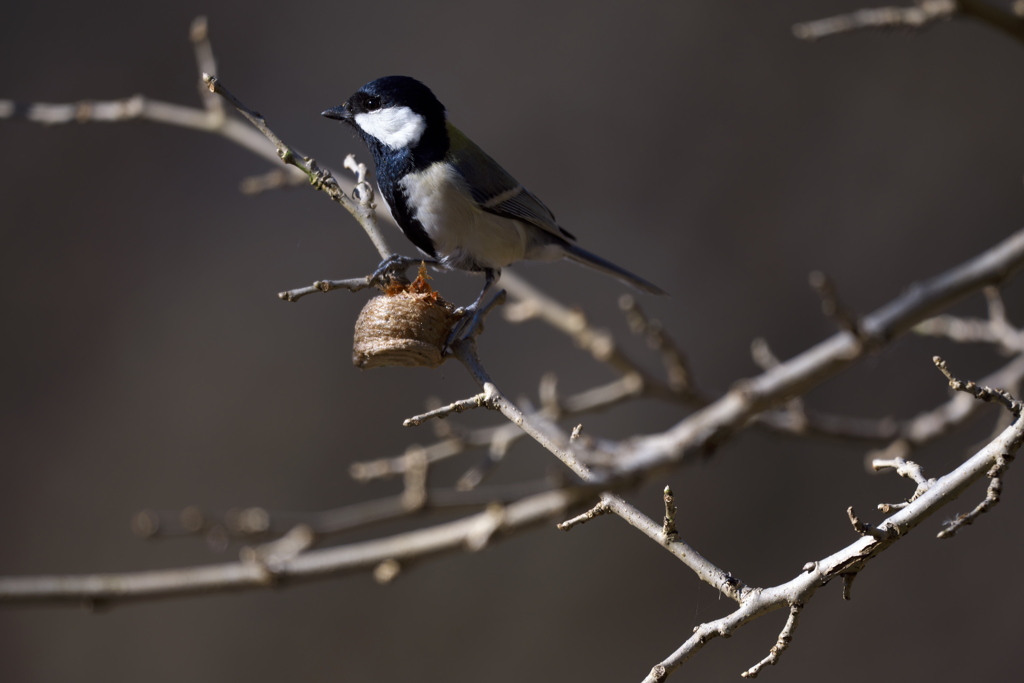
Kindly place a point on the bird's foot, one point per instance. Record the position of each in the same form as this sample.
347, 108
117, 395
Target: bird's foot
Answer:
471, 321
394, 267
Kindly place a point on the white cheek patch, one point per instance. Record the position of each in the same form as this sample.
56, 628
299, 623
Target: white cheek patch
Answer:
396, 127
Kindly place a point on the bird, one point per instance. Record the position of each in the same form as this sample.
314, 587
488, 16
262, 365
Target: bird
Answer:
454, 202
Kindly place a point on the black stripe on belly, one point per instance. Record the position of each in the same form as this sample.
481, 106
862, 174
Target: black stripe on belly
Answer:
413, 229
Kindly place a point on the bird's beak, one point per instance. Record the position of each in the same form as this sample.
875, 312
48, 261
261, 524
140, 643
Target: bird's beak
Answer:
339, 113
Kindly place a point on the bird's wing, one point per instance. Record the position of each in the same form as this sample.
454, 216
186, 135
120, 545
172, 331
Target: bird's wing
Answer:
494, 189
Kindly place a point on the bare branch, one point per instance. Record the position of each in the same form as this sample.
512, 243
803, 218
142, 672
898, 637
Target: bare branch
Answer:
270, 556
321, 179
995, 487
755, 602
256, 523
199, 34
1002, 460
677, 369
865, 529
832, 306
529, 303
923, 13
478, 401
706, 571
785, 638
997, 17
274, 179
983, 393
904, 468
706, 428
460, 535
996, 330
596, 511
668, 527
353, 285
606, 467
764, 358
916, 17
465, 351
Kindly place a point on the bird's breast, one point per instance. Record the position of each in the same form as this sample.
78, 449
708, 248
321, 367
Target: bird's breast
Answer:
464, 235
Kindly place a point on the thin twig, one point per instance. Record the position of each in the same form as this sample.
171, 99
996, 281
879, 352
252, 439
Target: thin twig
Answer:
530, 303
832, 306
865, 529
321, 179
755, 602
915, 17
465, 351
785, 638
596, 511
983, 393
352, 285
995, 330
257, 523
364, 556
478, 401
668, 527
721, 580
709, 426
677, 369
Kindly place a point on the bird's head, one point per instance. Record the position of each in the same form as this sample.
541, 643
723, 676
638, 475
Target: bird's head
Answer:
396, 112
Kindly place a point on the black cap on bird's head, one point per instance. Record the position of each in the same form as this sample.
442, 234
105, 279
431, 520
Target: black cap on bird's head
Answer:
397, 115
399, 94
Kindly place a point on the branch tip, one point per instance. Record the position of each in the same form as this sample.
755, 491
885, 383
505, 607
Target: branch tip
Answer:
848, 579
919, 16
199, 29
866, 529
668, 527
481, 400
596, 511
988, 394
781, 644
834, 308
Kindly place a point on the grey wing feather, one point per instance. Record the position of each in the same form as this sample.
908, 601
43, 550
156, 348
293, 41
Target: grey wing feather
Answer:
494, 188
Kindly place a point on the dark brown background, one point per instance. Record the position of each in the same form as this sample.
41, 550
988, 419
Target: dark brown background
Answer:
146, 361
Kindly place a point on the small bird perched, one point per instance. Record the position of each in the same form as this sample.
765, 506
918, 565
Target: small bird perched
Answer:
448, 196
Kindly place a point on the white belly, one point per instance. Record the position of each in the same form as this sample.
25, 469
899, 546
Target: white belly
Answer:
465, 236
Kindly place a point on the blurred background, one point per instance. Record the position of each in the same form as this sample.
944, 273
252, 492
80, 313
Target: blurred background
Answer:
146, 361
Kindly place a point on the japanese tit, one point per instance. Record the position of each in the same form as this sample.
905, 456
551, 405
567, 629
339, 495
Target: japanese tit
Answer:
453, 201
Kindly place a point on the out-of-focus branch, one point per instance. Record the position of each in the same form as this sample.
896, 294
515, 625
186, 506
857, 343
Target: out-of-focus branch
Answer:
499, 438
994, 330
648, 454
256, 523
710, 426
527, 303
211, 119
677, 369
917, 16
141, 108
604, 468
470, 533
558, 444
914, 17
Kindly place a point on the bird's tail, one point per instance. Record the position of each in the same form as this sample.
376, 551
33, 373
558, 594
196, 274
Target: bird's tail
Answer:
597, 263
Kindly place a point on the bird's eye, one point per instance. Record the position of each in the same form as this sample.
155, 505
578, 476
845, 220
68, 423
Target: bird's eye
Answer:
372, 103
